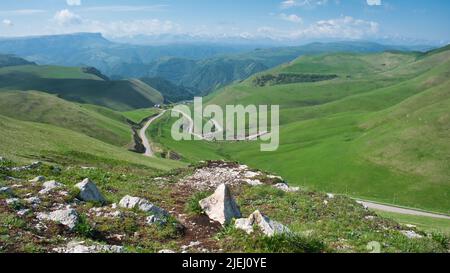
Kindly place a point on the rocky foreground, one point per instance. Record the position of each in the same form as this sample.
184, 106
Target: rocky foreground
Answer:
211, 207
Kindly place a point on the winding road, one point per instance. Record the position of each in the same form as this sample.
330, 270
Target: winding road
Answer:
399, 210
143, 135
368, 204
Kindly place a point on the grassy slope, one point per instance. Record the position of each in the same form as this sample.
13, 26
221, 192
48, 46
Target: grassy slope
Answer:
340, 135
140, 114
26, 141
46, 108
72, 84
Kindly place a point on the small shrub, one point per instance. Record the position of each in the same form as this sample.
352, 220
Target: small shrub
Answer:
192, 204
84, 229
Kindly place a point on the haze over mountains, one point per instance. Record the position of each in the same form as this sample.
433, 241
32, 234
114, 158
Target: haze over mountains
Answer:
196, 68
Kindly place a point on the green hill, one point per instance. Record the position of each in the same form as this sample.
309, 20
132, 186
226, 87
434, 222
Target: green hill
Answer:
24, 141
80, 85
45, 108
378, 131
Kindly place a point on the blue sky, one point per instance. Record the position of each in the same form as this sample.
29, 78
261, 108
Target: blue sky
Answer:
290, 20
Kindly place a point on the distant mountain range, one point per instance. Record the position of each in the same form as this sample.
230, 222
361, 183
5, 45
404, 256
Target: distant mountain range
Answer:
199, 67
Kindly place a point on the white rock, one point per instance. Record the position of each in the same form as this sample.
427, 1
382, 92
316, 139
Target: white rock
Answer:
267, 226
34, 201
50, 186
155, 219
250, 174
66, 217
252, 182
330, 195
221, 206
23, 212
6, 190
286, 188
12, 201
411, 234
37, 179
79, 247
275, 177
89, 191
166, 251
144, 205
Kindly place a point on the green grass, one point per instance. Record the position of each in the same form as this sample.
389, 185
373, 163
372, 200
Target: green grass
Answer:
423, 223
137, 116
380, 134
72, 84
94, 121
27, 141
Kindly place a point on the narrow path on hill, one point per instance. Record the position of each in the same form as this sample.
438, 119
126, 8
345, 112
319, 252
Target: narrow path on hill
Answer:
399, 210
143, 135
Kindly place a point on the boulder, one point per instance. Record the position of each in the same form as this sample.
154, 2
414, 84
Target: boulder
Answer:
221, 206
89, 192
266, 225
67, 217
37, 179
50, 186
130, 202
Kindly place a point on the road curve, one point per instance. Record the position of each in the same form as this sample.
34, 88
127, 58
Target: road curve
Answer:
143, 135
404, 211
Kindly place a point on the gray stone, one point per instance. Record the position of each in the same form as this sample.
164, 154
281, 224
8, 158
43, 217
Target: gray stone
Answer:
130, 202
221, 206
67, 217
50, 186
156, 219
37, 179
285, 187
6, 190
266, 225
411, 234
89, 191
12, 201
34, 201
166, 251
23, 212
80, 247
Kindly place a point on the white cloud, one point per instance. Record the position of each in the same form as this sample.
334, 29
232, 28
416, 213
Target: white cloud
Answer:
374, 2
73, 2
342, 28
7, 23
302, 3
291, 18
22, 11
65, 18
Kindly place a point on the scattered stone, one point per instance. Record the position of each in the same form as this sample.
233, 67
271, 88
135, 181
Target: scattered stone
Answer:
330, 195
37, 179
6, 190
369, 217
250, 174
252, 182
34, 201
221, 206
166, 251
23, 212
80, 247
285, 187
12, 201
156, 219
105, 213
50, 186
411, 234
33, 165
144, 205
191, 245
267, 226
67, 217
275, 177
89, 192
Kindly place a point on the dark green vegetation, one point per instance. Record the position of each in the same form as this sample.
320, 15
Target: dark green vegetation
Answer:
11, 60
379, 131
318, 224
285, 78
80, 85
201, 68
172, 93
